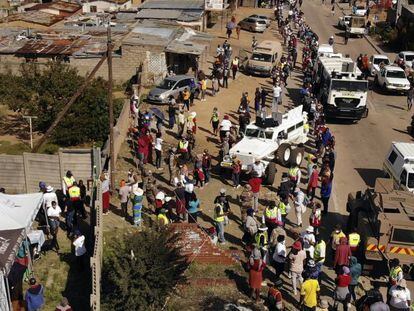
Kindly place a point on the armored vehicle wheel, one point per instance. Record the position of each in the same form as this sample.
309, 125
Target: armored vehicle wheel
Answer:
283, 154
296, 156
270, 173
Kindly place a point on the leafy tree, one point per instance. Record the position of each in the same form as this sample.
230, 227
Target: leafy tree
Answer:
140, 270
43, 91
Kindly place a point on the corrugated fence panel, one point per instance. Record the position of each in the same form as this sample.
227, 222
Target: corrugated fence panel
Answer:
12, 174
41, 167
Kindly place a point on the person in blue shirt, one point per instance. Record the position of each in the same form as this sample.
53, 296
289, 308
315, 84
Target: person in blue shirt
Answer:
35, 299
326, 189
193, 208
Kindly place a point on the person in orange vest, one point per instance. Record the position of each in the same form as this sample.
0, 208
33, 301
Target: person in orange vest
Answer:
354, 239
67, 182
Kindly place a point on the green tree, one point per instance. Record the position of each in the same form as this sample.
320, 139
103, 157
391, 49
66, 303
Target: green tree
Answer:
140, 270
43, 91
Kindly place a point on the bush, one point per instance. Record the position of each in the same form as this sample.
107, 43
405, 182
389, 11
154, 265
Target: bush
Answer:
140, 269
43, 92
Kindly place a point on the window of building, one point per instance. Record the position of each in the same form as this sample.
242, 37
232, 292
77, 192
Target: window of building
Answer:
93, 9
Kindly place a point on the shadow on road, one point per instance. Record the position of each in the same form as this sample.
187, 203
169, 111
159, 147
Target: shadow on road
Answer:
369, 175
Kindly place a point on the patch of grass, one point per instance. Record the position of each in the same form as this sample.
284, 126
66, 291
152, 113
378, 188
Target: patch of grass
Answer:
7, 147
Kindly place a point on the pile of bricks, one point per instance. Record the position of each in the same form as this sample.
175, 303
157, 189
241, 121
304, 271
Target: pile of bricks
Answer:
197, 246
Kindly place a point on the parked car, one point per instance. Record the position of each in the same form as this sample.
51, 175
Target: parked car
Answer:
405, 56
392, 78
343, 21
359, 10
262, 17
375, 61
171, 86
253, 24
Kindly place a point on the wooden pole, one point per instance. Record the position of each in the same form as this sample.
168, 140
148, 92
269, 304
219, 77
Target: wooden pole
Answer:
65, 109
111, 111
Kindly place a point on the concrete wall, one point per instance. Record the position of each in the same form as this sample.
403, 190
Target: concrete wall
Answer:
22, 173
103, 6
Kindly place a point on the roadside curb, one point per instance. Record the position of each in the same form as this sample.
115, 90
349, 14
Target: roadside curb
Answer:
368, 38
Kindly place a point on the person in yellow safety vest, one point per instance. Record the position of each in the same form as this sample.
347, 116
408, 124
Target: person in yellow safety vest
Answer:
162, 218
354, 239
396, 272
283, 208
74, 192
336, 235
320, 251
294, 174
219, 222
261, 237
67, 182
270, 217
183, 149
203, 84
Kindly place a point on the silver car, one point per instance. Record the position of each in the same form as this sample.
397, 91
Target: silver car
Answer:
262, 17
253, 24
172, 86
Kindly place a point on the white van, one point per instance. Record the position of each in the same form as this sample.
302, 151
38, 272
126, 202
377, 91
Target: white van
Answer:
263, 58
399, 165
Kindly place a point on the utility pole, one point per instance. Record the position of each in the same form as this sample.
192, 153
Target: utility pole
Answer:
111, 109
31, 129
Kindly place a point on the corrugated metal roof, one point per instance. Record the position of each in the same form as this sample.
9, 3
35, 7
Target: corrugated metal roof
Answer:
35, 17
173, 4
179, 15
51, 47
58, 5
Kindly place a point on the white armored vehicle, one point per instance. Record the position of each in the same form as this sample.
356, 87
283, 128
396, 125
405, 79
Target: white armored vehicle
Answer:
272, 141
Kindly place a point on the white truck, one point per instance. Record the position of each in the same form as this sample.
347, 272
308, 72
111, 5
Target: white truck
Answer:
272, 141
342, 90
354, 24
392, 78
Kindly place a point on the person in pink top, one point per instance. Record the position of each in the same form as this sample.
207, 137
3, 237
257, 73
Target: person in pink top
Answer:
313, 182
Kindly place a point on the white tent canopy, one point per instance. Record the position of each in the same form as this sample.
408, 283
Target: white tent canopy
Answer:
18, 211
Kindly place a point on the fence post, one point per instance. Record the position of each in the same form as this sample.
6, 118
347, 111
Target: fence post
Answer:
26, 171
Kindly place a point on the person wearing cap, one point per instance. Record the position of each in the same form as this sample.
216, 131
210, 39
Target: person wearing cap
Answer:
256, 266
48, 197
67, 182
400, 296
255, 182
34, 297
246, 201
80, 249
223, 199
308, 238
342, 294
170, 206
297, 258
323, 305
257, 167
138, 197
219, 219
312, 270
162, 218
279, 256
63, 305
274, 296
193, 208
159, 201
300, 208
42, 187
251, 226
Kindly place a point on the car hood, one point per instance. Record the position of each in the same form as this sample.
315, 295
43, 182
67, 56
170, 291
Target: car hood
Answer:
398, 81
157, 91
253, 147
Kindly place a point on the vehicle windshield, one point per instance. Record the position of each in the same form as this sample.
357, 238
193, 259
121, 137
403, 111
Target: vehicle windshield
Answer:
260, 21
357, 22
410, 182
360, 8
404, 236
409, 57
395, 74
252, 133
166, 84
352, 86
262, 57
378, 61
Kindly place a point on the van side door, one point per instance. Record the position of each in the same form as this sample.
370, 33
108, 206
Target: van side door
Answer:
403, 179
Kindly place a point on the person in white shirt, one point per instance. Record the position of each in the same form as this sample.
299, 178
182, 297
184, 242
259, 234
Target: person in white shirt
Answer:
80, 249
158, 150
49, 197
277, 93
400, 296
309, 241
225, 127
53, 214
279, 256
300, 208
257, 167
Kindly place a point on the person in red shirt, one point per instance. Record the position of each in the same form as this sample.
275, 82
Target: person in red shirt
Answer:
342, 255
255, 182
342, 294
313, 182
